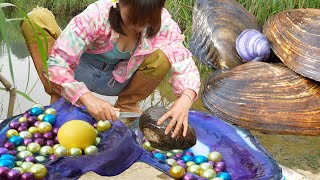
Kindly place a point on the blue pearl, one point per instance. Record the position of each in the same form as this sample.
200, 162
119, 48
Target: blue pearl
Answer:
159, 156
36, 111
187, 158
200, 159
16, 140
224, 176
7, 157
7, 163
49, 118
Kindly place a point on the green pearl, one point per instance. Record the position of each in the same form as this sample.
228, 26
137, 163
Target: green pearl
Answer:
25, 134
39, 171
169, 154
91, 150
18, 163
39, 106
98, 139
33, 147
190, 163
21, 148
147, 146
40, 117
195, 169
171, 162
209, 173
24, 154
60, 151
32, 130
215, 156
46, 150
44, 127
205, 166
56, 145
103, 126
74, 152
26, 166
50, 111
41, 159
19, 169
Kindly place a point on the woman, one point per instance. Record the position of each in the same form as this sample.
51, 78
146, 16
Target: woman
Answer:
121, 49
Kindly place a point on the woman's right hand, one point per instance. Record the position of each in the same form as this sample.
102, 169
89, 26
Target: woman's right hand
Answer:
98, 108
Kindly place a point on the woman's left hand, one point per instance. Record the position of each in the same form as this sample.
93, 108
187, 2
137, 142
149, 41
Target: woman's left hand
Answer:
179, 114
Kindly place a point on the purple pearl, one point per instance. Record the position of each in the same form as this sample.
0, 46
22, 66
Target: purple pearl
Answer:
9, 145
14, 125
12, 152
56, 140
37, 135
26, 114
189, 153
48, 135
40, 141
4, 171
50, 143
32, 119
22, 128
31, 159
27, 141
24, 124
218, 169
36, 123
221, 165
182, 164
52, 157
13, 174
95, 125
175, 158
212, 163
188, 177
3, 150
55, 131
179, 155
27, 176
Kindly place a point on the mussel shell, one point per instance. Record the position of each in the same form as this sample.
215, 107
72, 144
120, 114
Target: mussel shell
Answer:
155, 134
295, 38
216, 26
266, 97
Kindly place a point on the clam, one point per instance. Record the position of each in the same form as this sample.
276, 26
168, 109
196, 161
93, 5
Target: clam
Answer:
266, 97
155, 133
295, 38
216, 26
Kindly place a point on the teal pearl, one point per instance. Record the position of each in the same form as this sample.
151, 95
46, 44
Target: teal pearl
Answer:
200, 159
225, 176
16, 140
49, 118
187, 158
7, 157
35, 111
159, 156
7, 163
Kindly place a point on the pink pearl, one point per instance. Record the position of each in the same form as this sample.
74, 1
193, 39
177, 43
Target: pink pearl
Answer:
36, 123
48, 135
9, 145
13, 174
14, 125
27, 176
52, 157
30, 159
24, 124
32, 119
37, 135
27, 141
50, 143
22, 128
40, 141
4, 171
26, 114
55, 131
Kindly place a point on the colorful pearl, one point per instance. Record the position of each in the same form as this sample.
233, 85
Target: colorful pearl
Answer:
187, 158
13, 174
32, 130
195, 169
39, 171
40, 117
23, 154
159, 156
33, 147
200, 159
14, 124
171, 162
8, 157
12, 132
39, 106
27, 176
44, 127
25, 135
74, 152
177, 172
103, 126
46, 151
147, 146
50, 111
26, 166
22, 119
35, 111
60, 151
41, 159
7, 163
215, 156
209, 173
224, 176
91, 150
16, 140
21, 148
49, 118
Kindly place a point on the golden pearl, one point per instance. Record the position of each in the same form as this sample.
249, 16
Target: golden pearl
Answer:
25, 134
195, 169
38, 170
60, 151
74, 152
205, 166
11, 132
147, 146
190, 163
46, 150
41, 159
209, 173
177, 172
215, 156
19, 169
40, 117
91, 150
22, 119
50, 111
39, 106
32, 130
26, 166
33, 147
103, 126
23, 154
44, 127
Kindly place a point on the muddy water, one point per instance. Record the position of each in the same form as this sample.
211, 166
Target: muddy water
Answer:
295, 152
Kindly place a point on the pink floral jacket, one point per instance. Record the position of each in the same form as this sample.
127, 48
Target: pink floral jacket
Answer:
91, 32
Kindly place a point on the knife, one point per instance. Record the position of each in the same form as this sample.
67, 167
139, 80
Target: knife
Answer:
129, 115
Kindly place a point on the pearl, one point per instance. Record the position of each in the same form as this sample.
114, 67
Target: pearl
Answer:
209, 173
19, 169
48, 135
39, 171
26, 114
7, 163
23, 154
36, 124
14, 124
98, 139
224, 176
55, 131
74, 152
187, 158
32, 130
22, 119
189, 153
18, 163
26, 124
46, 150
169, 154
176, 151
40, 117
103, 126
32, 119
21, 148
22, 128
31, 159
36, 111
215, 156
41, 159
39, 106
147, 146
44, 127
26, 166
37, 135
205, 166
60, 151
3, 150
91, 150
4, 171
50, 111
27, 141
190, 163
49, 118
176, 172
40, 141
16, 140
188, 177
171, 162
8, 157
12, 152
13, 174
25, 135
52, 157
27, 176
50, 143
9, 145
12, 132
33, 147
56, 145
200, 159
195, 169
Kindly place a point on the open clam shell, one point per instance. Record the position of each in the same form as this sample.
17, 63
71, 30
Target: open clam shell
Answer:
295, 38
216, 26
266, 97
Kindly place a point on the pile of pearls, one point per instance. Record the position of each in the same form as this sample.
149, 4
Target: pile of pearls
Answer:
32, 141
185, 165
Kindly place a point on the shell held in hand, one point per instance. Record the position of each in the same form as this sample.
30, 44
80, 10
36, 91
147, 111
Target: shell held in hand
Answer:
155, 134
295, 38
266, 97
252, 45
216, 26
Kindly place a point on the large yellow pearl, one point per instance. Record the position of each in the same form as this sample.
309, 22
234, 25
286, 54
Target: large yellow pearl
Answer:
171, 162
44, 127
195, 169
19, 169
11, 132
103, 126
41, 159
24, 154
60, 151
91, 150
33, 147
38, 170
38, 105
147, 146
21, 148
32, 130
26, 166
46, 150
22, 119
74, 152
76, 134
215, 156
50, 111
190, 163
205, 166
40, 117
25, 134
177, 172
209, 173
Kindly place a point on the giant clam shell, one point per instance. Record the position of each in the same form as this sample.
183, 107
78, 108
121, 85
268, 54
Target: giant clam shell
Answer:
266, 97
216, 26
295, 38
155, 133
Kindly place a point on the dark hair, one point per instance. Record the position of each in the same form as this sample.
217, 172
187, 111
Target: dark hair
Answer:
142, 12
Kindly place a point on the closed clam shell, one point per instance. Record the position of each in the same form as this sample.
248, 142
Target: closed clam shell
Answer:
266, 97
216, 26
295, 38
155, 133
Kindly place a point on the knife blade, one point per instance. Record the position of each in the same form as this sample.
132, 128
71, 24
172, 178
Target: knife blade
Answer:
129, 115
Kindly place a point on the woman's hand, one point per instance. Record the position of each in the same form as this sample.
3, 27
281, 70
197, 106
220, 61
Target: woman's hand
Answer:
98, 108
179, 114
